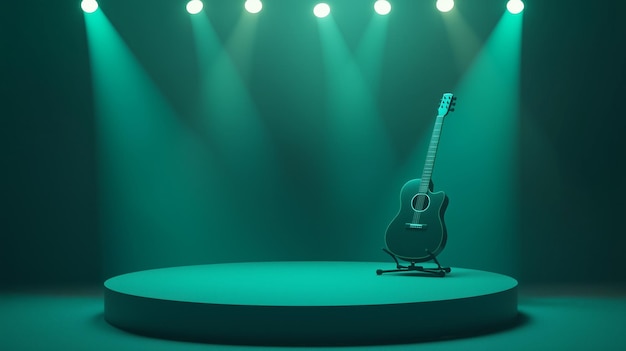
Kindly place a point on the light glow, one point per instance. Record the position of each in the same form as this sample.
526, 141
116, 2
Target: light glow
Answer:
253, 6
89, 6
321, 10
515, 6
382, 7
194, 6
445, 5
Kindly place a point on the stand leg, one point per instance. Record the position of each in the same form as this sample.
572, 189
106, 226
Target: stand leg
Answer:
398, 265
445, 269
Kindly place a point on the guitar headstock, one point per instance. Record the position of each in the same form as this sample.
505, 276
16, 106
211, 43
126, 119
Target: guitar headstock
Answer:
448, 101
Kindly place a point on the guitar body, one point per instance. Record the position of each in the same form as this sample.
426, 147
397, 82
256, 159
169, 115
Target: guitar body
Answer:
418, 232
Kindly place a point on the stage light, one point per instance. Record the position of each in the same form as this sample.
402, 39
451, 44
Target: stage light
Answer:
515, 6
382, 7
89, 6
253, 6
194, 6
321, 10
445, 5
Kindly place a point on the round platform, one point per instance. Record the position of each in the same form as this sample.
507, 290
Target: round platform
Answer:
307, 303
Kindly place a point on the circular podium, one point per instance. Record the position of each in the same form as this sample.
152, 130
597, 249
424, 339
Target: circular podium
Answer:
307, 303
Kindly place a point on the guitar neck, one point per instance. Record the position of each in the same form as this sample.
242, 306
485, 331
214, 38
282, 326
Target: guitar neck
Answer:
429, 164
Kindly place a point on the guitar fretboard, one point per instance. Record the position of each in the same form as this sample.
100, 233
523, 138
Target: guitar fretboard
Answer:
429, 164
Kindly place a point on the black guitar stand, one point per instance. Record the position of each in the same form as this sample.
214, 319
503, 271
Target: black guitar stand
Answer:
439, 271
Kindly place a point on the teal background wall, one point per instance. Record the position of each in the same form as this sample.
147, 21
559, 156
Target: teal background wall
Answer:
140, 138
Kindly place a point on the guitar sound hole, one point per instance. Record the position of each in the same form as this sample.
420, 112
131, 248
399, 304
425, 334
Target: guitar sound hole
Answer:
420, 202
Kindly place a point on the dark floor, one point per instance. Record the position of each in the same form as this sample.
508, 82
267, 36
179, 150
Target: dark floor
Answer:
556, 318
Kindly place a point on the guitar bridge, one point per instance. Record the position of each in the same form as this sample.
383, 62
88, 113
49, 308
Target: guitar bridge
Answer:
415, 226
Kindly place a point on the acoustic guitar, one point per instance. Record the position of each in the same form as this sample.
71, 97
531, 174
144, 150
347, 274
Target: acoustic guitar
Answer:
418, 232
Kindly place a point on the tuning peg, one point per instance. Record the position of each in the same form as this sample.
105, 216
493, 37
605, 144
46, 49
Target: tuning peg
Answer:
452, 110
